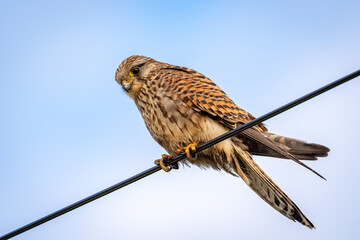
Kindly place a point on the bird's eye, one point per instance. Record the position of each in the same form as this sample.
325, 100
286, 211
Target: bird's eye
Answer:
135, 71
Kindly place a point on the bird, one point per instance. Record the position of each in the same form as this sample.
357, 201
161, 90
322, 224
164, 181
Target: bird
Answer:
182, 108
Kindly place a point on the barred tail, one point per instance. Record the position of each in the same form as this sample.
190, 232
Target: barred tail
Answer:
258, 181
299, 149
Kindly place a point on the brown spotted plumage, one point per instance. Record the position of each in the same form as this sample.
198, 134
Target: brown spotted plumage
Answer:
181, 106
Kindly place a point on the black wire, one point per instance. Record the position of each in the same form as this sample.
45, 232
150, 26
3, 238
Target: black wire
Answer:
180, 156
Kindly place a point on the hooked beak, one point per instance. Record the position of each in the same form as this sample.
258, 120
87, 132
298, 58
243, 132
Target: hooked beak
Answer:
126, 85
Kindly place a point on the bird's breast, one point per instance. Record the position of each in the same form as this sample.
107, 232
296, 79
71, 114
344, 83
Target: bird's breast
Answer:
174, 124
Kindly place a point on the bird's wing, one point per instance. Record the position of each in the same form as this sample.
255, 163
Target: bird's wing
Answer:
203, 95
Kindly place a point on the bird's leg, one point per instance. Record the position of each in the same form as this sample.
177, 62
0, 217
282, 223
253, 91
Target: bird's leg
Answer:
163, 165
189, 151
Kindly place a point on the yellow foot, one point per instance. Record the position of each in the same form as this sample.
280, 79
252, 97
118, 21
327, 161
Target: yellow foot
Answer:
161, 162
189, 151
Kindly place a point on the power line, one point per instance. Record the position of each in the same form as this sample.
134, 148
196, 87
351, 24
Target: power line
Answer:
180, 156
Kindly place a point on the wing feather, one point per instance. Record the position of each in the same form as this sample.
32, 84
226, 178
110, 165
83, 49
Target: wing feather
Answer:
200, 92
203, 95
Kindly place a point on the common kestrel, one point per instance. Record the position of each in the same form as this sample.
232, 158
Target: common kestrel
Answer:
182, 107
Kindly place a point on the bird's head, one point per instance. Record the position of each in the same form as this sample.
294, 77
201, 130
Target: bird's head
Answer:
132, 73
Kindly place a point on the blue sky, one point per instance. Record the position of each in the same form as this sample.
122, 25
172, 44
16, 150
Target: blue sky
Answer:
67, 130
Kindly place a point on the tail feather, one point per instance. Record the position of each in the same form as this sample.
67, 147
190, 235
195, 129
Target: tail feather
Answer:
299, 149
259, 182
258, 139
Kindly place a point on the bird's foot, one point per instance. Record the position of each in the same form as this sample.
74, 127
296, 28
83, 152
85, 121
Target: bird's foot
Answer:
164, 165
189, 151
